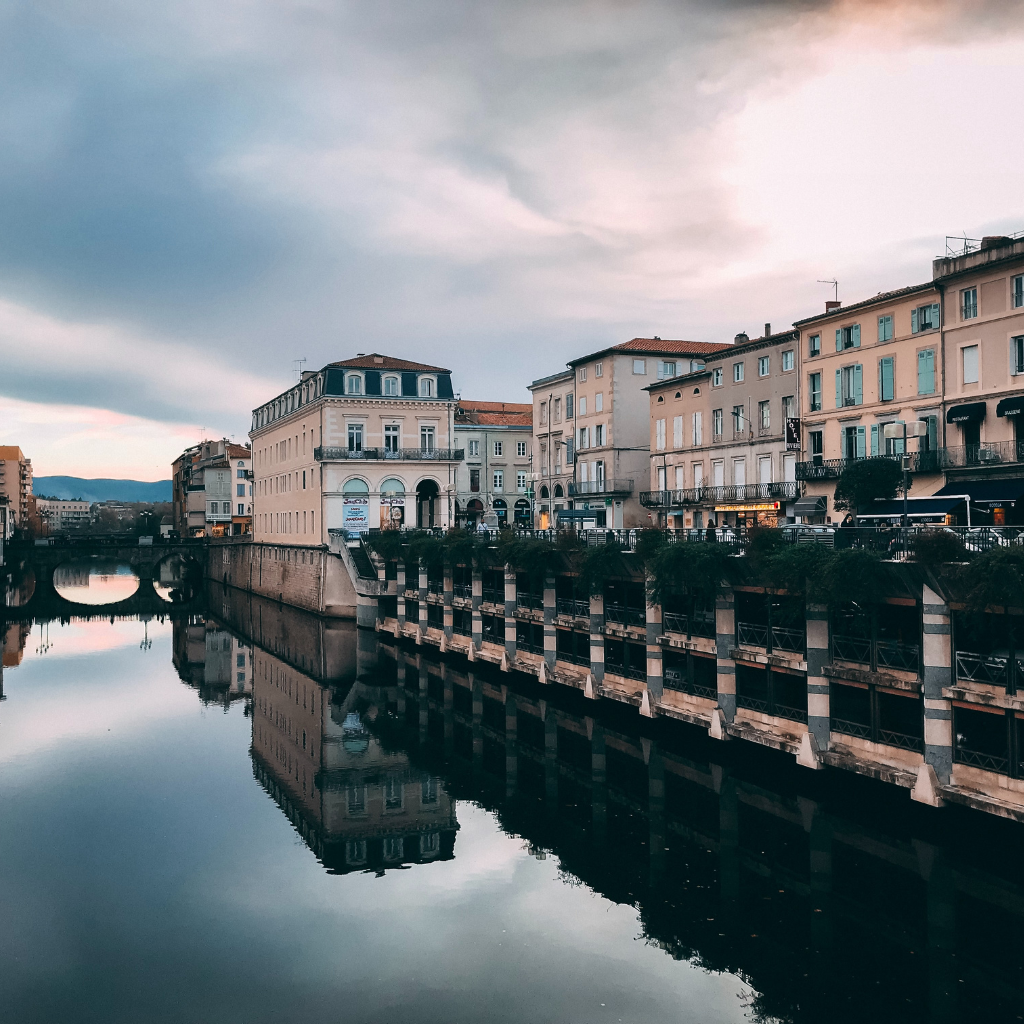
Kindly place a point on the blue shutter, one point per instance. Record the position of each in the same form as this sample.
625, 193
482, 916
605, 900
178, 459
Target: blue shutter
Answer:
839, 389
855, 331
886, 380
926, 372
861, 440
913, 321
839, 340
935, 314
858, 384
874, 439
933, 433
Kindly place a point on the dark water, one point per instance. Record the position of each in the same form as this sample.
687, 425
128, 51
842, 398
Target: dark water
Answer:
255, 816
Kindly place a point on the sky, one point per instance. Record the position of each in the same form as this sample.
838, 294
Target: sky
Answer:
194, 195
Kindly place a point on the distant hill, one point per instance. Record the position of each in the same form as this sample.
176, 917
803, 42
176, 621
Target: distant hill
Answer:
102, 490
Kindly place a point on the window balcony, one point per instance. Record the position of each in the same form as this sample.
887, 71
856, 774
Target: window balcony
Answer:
782, 639
991, 669
782, 490
328, 454
607, 486
971, 456
877, 654
623, 615
573, 607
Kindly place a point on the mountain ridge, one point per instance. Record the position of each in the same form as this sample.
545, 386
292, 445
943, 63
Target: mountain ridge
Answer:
101, 489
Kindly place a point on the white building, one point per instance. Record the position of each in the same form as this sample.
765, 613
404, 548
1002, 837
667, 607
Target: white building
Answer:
61, 516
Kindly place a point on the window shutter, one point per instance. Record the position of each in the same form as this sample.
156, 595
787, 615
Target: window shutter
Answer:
858, 384
935, 314
874, 439
860, 442
913, 321
839, 389
933, 433
855, 331
839, 339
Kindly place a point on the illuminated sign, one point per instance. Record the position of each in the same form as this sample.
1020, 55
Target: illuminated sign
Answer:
767, 506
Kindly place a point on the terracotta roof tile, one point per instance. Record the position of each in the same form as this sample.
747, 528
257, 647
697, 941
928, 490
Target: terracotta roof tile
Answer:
375, 361
656, 346
507, 414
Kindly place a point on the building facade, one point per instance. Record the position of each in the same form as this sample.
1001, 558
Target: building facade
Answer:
60, 516
494, 479
612, 427
16, 484
362, 443
212, 490
553, 431
724, 440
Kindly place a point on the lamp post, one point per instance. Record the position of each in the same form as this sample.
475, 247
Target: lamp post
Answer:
893, 431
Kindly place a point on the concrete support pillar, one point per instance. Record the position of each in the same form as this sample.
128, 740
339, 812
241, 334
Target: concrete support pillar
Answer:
449, 593
598, 784
655, 674
937, 651
510, 613
478, 596
725, 640
656, 812
818, 721
551, 759
597, 639
511, 743
423, 598
549, 621
400, 590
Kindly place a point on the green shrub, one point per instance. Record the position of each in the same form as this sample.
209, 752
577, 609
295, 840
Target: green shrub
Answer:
862, 481
995, 578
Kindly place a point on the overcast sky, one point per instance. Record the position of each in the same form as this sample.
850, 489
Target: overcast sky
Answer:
195, 193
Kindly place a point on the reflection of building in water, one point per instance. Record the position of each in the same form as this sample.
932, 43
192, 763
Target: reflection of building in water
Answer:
358, 805
14, 639
212, 660
71, 575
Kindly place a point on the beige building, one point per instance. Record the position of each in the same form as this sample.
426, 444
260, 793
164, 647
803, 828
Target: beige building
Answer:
613, 424
362, 443
553, 432
16, 484
719, 450
60, 516
212, 490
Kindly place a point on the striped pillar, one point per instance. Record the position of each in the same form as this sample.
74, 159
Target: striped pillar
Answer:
725, 640
937, 651
510, 613
478, 596
423, 598
818, 721
449, 592
549, 621
400, 590
655, 676
597, 638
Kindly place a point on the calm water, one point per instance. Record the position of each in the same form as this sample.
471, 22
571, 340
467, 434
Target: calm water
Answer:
253, 816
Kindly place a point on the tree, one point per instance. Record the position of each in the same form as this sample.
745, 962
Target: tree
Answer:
866, 480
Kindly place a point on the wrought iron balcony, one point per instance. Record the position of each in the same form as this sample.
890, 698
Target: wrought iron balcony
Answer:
877, 653
969, 456
573, 607
782, 490
579, 488
324, 453
625, 616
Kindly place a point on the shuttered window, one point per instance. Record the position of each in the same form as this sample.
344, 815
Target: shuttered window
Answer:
926, 372
886, 379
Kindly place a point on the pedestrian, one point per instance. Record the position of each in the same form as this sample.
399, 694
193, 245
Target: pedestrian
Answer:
710, 536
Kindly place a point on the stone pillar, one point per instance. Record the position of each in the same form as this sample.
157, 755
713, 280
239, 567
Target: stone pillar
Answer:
511, 743
818, 722
549, 621
656, 811
478, 596
937, 651
725, 640
598, 783
597, 640
423, 598
400, 591
510, 614
449, 593
655, 677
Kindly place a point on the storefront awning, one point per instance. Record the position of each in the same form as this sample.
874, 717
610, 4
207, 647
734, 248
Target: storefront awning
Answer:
812, 505
917, 508
986, 492
972, 412
1013, 406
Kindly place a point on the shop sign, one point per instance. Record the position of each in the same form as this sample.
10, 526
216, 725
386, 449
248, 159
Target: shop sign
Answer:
355, 514
767, 506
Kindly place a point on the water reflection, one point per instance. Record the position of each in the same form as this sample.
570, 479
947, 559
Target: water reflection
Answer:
19, 584
212, 660
179, 578
95, 581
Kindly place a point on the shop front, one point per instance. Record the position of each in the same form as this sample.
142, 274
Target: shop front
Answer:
748, 514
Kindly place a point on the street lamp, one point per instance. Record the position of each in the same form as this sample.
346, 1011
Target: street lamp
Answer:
902, 429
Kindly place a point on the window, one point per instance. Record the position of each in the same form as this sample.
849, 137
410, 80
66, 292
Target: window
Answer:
391, 388
474, 481
583, 405
717, 420
239, 490
598, 370
739, 472
1017, 291
737, 372
640, 367
556, 410
568, 406
763, 366
788, 360
227, 507
716, 377
659, 435
499, 448
355, 437
886, 379
474, 449
303, 483
521, 482
521, 449
240, 473
968, 303
817, 446
583, 437
543, 414
241, 510
599, 435
814, 345
885, 327
666, 370
677, 432
392, 437
426, 387
354, 384
854, 443
849, 386
970, 363
924, 318
583, 373
427, 439
789, 407
814, 391
847, 337
926, 372
697, 429
764, 415
599, 402
498, 481
1017, 354
738, 419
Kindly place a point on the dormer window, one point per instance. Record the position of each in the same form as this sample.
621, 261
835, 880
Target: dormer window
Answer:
353, 384
391, 387
426, 387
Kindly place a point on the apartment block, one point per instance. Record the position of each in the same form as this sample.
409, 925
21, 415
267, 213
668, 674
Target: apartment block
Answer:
553, 431
60, 516
16, 484
212, 490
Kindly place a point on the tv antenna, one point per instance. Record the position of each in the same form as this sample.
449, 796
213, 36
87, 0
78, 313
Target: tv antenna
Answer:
832, 281
298, 364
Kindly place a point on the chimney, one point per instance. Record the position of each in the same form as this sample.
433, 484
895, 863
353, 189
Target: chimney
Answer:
832, 305
767, 330
995, 241
378, 359
741, 338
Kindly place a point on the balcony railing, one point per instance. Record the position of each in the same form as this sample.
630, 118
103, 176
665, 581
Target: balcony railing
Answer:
463, 590
572, 607
493, 596
887, 653
435, 587
630, 672
607, 486
324, 453
992, 669
624, 615
935, 461
527, 600
782, 637
688, 625
781, 490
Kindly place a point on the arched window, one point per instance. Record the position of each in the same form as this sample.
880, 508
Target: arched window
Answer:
392, 486
426, 387
544, 492
355, 487
559, 493
354, 384
661, 398
391, 387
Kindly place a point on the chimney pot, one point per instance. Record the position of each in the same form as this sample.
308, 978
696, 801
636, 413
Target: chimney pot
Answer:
741, 338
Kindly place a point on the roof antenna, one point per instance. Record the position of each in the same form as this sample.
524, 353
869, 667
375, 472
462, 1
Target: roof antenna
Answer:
298, 364
832, 281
